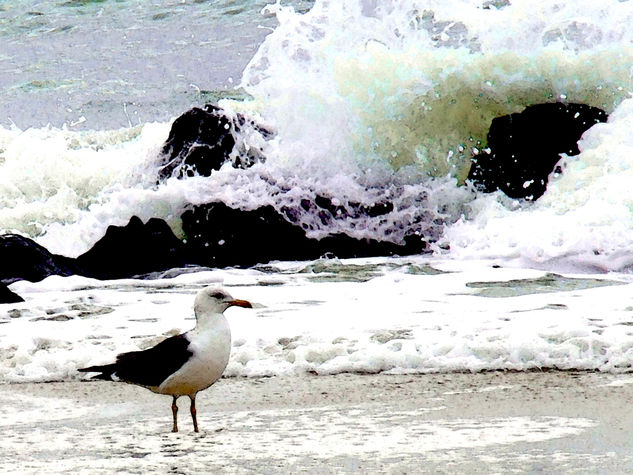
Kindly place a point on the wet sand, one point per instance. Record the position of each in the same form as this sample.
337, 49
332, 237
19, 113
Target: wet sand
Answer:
448, 423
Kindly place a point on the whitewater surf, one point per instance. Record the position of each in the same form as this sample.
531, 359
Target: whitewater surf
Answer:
367, 103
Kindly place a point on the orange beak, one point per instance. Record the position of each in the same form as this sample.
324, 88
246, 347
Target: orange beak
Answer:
241, 303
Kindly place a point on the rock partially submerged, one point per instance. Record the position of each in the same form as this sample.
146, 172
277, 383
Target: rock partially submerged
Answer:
525, 147
217, 236
204, 138
220, 236
7, 296
524, 150
24, 259
124, 251
134, 249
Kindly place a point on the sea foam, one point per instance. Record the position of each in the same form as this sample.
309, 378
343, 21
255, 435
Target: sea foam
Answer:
391, 315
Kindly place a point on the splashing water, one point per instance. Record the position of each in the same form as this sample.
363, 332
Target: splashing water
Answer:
372, 103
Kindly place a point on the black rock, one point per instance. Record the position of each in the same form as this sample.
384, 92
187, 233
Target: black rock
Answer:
201, 140
24, 259
525, 147
7, 296
123, 252
134, 250
217, 236
220, 236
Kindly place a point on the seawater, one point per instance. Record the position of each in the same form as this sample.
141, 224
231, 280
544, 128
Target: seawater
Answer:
107, 64
370, 102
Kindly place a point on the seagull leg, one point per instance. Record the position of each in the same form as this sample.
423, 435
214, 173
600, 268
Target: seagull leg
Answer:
193, 413
174, 410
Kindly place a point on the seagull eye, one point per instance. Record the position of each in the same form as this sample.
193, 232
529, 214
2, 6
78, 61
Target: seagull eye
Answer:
217, 295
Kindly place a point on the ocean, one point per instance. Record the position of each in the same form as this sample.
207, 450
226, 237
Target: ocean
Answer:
370, 102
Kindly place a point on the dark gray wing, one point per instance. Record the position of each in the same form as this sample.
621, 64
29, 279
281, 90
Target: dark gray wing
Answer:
148, 367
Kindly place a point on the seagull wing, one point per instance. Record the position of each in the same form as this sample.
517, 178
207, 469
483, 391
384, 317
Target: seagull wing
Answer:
147, 367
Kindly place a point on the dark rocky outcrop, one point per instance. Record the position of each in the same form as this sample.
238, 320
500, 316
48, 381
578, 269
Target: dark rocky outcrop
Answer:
7, 296
133, 250
525, 147
524, 150
217, 236
220, 236
202, 139
24, 259
124, 251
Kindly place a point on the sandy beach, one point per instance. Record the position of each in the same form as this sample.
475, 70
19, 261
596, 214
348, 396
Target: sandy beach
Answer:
444, 423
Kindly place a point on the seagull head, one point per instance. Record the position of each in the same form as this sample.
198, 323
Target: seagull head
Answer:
215, 300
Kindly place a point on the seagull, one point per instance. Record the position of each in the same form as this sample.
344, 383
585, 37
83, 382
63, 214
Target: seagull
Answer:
184, 364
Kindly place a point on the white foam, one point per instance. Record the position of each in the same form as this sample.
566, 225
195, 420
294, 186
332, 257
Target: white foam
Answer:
363, 89
584, 219
403, 83
52, 177
328, 317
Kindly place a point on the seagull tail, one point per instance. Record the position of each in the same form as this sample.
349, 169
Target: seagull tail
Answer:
105, 370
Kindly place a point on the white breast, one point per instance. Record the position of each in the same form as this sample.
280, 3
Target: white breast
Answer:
211, 347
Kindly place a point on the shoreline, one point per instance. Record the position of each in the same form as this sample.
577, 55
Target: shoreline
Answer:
451, 423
